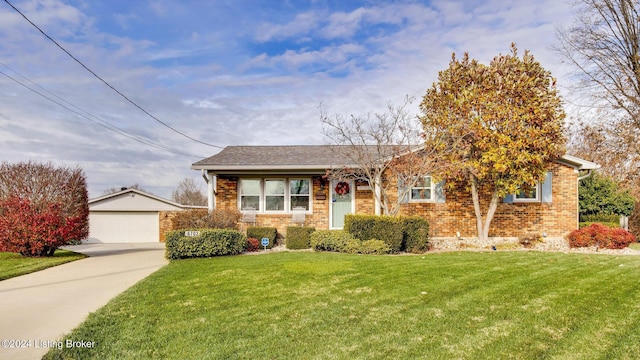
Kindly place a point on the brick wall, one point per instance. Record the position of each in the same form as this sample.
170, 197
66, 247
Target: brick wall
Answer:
165, 223
555, 219
227, 198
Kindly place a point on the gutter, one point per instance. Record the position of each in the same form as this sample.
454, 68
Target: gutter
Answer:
589, 172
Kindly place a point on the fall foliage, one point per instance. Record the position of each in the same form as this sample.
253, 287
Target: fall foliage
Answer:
42, 207
497, 127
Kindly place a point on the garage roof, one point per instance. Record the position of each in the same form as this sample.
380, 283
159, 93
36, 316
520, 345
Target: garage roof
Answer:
134, 200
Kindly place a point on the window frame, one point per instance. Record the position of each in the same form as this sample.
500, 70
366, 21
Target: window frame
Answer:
308, 195
240, 193
537, 198
431, 188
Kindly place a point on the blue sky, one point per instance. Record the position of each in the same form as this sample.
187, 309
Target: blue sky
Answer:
229, 73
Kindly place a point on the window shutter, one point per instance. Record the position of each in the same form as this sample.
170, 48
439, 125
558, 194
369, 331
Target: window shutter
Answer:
440, 195
508, 199
545, 191
403, 198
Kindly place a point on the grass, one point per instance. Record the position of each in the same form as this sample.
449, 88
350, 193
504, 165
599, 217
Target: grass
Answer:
459, 305
12, 264
634, 246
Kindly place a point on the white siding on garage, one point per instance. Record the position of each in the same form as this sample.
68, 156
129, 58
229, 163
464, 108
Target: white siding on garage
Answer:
124, 226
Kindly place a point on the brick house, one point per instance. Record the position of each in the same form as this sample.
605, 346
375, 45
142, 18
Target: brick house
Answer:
280, 186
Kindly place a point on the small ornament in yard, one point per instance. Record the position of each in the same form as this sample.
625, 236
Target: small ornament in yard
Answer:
342, 188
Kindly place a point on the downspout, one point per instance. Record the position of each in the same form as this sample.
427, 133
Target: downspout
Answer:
580, 178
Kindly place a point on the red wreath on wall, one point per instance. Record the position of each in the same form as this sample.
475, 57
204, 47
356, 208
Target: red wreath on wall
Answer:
342, 188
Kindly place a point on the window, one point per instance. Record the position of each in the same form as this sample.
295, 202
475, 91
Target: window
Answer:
528, 193
422, 190
250, 193
274, 195
299, 193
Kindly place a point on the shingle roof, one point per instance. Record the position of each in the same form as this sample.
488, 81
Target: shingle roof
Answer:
275, 157
303, 157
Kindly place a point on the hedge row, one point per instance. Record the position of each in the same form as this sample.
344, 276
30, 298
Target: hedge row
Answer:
400, 233
204, 243
342, 241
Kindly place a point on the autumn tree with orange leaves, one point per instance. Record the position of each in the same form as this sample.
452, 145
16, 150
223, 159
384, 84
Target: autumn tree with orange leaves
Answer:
498, 126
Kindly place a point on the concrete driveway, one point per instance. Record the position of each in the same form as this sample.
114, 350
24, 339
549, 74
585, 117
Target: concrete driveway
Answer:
37, 309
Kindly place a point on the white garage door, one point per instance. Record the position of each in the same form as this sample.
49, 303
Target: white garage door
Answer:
124, 227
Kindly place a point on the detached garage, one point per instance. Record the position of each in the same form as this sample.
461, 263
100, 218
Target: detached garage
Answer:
128, 216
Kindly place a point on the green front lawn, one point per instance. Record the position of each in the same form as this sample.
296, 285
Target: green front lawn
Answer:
12, 264
458, 305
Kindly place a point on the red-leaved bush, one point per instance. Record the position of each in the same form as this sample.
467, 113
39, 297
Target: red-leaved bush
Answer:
601, 236
42, 207
253, 244
36, 231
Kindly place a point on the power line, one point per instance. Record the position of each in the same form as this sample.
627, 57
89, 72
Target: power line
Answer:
79, 112
109, 85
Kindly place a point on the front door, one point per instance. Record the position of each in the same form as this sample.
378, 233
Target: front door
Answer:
342, 202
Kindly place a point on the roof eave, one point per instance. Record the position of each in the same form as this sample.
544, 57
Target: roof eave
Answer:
136, 191
226, 168
577, 163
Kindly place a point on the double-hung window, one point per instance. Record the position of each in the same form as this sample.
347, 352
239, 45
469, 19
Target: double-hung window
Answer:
422, 190
250, 193
274, 195
299, 193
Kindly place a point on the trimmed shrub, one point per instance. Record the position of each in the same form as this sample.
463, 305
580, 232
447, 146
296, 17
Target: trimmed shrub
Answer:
416, 234
342, 241
203, 219
299, 237
601, 236
252, 245
352, 246
209, 242
375, 247
330, 240
263, 232
367, 227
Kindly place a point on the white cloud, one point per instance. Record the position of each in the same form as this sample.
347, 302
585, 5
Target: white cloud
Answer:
300, 25
242, 79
